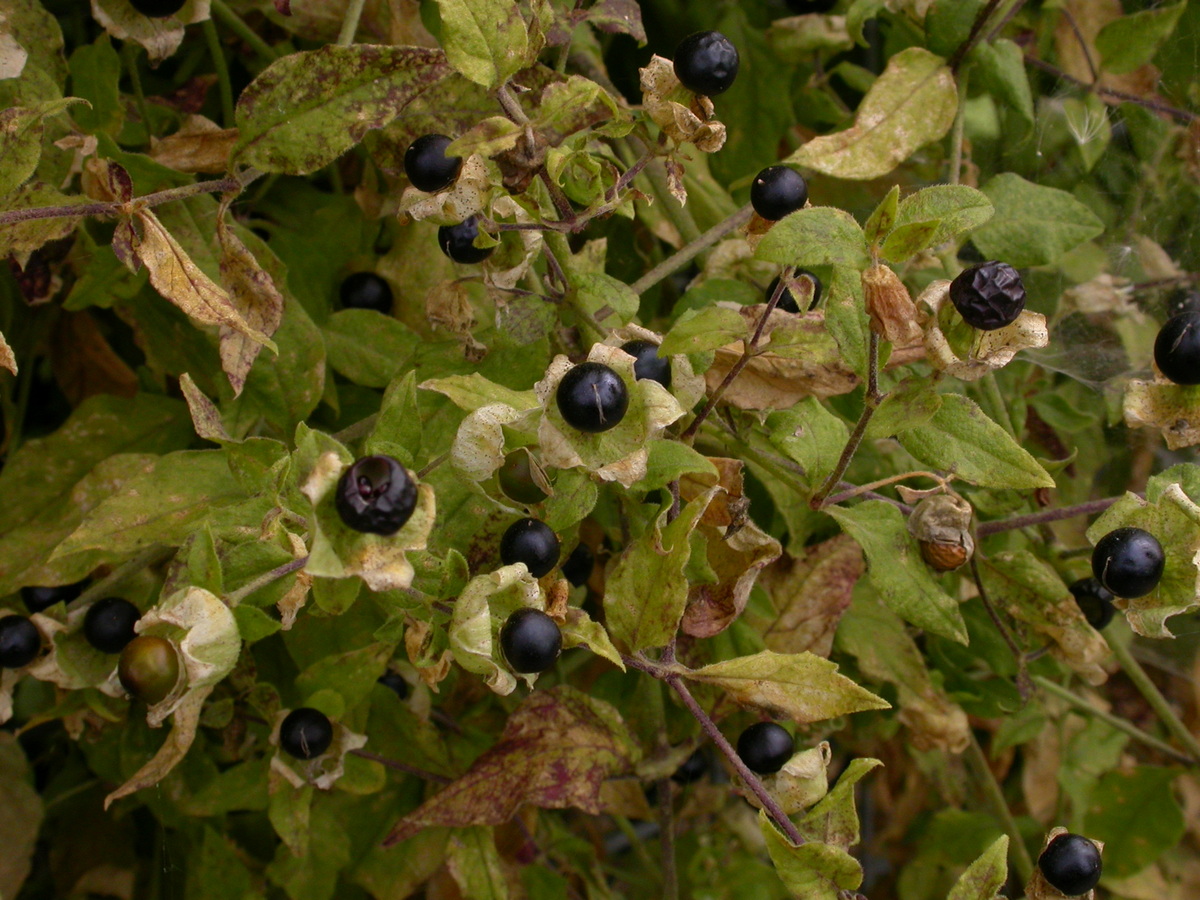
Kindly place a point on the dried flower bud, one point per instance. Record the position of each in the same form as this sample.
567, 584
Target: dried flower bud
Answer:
941, 524
892, 311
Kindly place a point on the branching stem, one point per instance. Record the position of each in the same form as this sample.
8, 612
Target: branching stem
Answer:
235, 597
687, 253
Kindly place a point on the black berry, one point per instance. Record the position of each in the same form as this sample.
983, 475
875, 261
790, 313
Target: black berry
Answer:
396, 682
516, 479
592, 398
427, 165
1128, 562
305, 733
366, 290
19, 642
777, 191
531, 542
458, 242
1071, 864
578, 567
108, 625
764, 747
706, 63
787, 300
41, 598
148, 668
1094, 602
375, 495
693, 768
989, 295
157, 9
531, 641
647, 363
1177, 348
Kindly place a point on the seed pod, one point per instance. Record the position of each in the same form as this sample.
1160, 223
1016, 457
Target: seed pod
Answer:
892, 311
941, 524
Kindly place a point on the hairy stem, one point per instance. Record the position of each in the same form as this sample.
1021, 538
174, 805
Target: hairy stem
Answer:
235, 597
687, 253
401, 766
871, 403
1049, 515
1152, 695
858, 490
512, 108
995, 797
1175, 112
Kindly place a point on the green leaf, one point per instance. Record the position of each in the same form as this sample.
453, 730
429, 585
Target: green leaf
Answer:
812, 436
1136, 815
215, 870
21, 140
911, 104
1034, 225
948, 23
834, 820
1000, 66
798, 686
911, 403
986, 876
475, 864
1133, 40
368, 348
883, 218
932, 216
816, 236
469, 392
485, 40
897, 571
846, 317
608, 300
308, 108
961, 439
23, 814
703, 329
351, 674
812, 871
95, 77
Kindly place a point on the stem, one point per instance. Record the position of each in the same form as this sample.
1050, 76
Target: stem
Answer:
562, 204
129, 52
401, 766
350, 22
995, 795
219, 63
235, 597
680, 215
1116, 722
882, 482
433, 464
872, 400
1049, 515
1182, 115
512, 108
687, 253
973, 36
1024, 685
995, 399
1153, 696
235, 24
786, 825
361, 428
960, 120
105, 585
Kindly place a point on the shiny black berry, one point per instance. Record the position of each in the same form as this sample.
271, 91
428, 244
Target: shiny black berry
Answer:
693, 767
108, 625
19, 642
787, 300
1128, 562
764, 747
157, 9
427, 165
777, 191
366, 290
1071, 864
1094, 601
516, 479
578, 567
989, 295
531, 542
305, 733
647, 363
375, 495
531, 641
396, 682
149, 668
41, 598
592, 398
706, 63
1177, 348
458, 242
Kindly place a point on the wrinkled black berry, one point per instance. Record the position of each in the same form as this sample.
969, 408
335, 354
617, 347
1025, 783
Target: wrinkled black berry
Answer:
706, 63
592, 397
366, 290
764, 747
305, 733
396, 682
149, 668
157, 9
777, 191
532, 542
427, 165
375, 495
108, 625
20, 642
787, 300
1094, 602
693, 768
1071, 864
647, 363
1177, 348
41, 598
1128, 562
578, 567
531, 641
458, 242
989, 295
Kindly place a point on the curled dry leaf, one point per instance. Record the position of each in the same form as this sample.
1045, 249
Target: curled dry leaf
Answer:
685, 117
1171, 408
891, 310
736, 559
1104, 294
418, 644
992, 349
160, 37
803, 780
200, 145
448, 307
478, 448
323, 771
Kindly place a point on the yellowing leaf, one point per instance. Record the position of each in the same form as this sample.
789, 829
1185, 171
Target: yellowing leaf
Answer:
255, 297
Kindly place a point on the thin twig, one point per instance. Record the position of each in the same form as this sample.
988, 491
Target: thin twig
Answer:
235, 597
1050, 515
870, 403
1024, 685
1181, 114
995, 795
1087, 53
973, 35
433, 464
861, 489
688, 252
401, 766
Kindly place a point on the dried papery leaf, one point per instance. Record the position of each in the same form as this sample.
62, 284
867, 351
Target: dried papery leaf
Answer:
323, 771
1173, 409
735, 559
448, 307
107, 181
557, 749
200, 145
685, 117
803, 780
160, 37
809, 594
290, 604
992, 349
206, 418
1106, 293
891, 310
7, 359
728, 505
12, 57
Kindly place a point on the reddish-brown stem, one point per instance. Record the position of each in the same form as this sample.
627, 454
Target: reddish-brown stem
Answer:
1050, 515
401, 766
1182, 115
